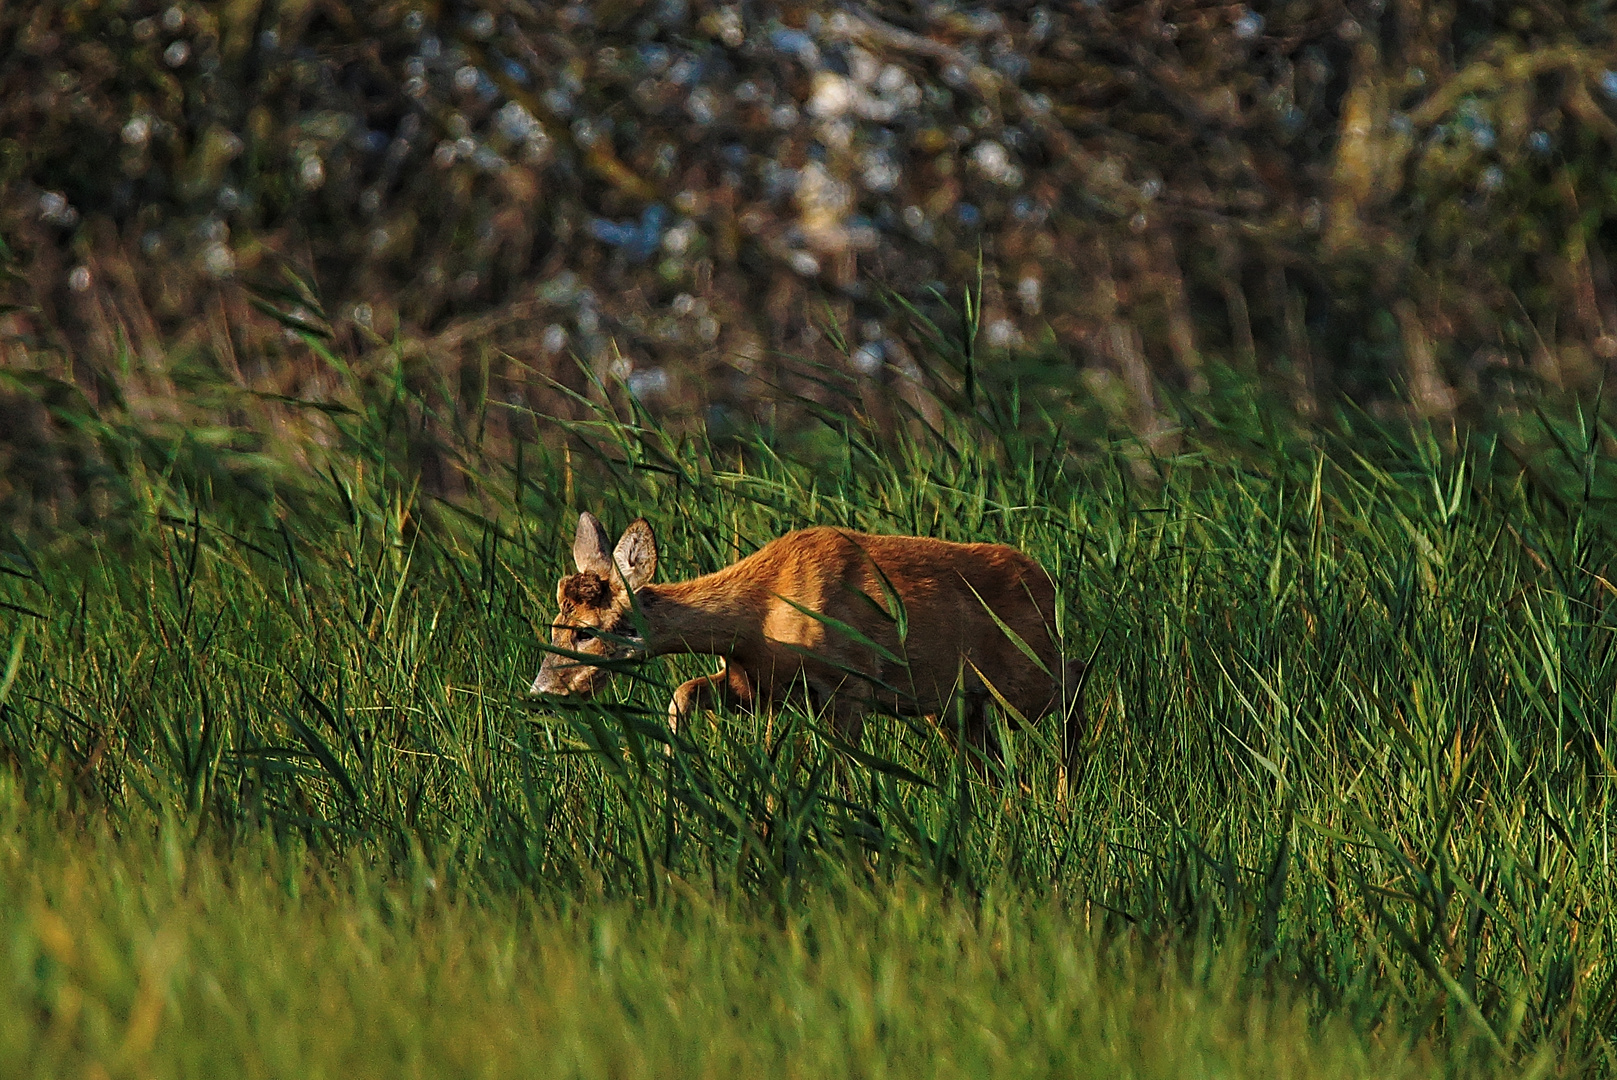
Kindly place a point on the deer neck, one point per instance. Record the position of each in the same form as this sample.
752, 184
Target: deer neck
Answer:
709, 615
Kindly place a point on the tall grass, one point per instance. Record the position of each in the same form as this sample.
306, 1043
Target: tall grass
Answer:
1350, 705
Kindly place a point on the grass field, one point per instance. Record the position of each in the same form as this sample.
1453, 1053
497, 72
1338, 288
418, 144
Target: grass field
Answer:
273, 802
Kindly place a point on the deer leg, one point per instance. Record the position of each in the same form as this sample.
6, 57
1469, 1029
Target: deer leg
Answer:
967, 716
981, 735
741, 690
727, 686
848, 721
1073, 710
842, 703
848, 724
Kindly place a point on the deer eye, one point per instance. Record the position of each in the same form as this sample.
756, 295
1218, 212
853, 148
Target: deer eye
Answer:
584, 635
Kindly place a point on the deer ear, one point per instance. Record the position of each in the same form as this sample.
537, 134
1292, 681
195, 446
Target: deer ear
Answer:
636, 554
589, 547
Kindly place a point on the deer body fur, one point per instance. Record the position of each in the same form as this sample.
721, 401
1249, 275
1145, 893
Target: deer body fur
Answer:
812, 612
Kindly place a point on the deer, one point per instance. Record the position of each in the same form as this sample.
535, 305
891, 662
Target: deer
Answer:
860, 622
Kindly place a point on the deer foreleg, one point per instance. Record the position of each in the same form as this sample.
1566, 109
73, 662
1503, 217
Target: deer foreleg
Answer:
727, 687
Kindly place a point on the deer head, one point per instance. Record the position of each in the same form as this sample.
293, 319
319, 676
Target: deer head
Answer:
595, 607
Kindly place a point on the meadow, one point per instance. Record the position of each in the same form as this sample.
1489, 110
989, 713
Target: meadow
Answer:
274, 802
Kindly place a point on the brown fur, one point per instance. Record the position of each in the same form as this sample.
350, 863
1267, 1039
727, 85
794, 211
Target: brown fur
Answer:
773, 650
585, 590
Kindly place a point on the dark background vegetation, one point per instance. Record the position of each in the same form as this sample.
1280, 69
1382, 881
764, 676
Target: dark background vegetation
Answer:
721, 206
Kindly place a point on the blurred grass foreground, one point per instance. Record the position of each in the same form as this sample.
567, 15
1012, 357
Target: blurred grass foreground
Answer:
1276, 334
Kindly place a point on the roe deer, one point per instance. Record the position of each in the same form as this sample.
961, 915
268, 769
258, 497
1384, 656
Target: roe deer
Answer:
815, 609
